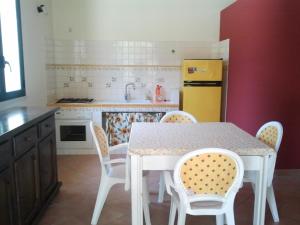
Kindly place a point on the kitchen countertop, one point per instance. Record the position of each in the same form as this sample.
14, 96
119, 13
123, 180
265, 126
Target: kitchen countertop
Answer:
16, 117
133, 103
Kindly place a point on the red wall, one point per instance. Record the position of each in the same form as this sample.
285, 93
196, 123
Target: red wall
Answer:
264, 69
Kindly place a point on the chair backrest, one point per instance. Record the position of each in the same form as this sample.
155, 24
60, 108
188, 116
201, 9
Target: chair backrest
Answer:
271, 134
101, 143
209, 174
178, 117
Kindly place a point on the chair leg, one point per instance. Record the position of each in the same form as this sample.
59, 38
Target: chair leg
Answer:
146, 202
146, 195
181, 216
173, 209
161, 191
220, 219
253, 187
272, 203
230, 217
103, 190
146, 213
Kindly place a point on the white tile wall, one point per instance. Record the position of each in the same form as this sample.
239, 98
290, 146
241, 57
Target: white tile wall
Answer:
108, 83
51, 75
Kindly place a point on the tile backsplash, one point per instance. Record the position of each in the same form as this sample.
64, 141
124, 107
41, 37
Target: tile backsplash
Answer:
100, 69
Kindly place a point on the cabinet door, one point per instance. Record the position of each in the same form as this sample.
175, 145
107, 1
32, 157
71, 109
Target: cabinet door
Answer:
27, 184
6, 198
48, 171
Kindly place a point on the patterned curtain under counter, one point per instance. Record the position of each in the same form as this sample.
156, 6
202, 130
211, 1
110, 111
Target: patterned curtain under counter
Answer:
117, 125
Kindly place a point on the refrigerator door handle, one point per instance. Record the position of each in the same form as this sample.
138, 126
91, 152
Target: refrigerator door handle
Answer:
202, 83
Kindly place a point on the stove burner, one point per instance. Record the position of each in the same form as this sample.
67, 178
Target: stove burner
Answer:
75, 100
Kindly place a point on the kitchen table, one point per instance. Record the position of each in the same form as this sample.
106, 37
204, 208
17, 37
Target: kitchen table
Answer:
158, 146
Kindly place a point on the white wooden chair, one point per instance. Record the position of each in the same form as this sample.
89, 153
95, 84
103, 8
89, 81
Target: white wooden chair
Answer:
178, 117
271, 134
205, 183
172, 117
113, 171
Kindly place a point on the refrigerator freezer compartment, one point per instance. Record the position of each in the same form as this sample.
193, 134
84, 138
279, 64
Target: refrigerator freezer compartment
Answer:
202, 70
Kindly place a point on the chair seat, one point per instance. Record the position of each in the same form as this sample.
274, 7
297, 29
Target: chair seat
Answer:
249, 176
206, 205
118, 171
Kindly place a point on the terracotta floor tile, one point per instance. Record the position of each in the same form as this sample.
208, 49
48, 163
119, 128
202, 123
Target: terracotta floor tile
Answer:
81, 175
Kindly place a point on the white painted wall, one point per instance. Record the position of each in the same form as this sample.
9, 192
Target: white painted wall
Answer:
155, 20
35, 28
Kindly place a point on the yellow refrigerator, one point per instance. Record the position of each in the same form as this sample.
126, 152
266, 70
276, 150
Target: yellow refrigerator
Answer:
202, 88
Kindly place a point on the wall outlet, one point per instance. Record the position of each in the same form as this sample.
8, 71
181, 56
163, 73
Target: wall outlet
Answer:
108, 85
90, 84
77, 79
160, 79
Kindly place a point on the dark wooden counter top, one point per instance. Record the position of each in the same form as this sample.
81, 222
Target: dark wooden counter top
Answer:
13, 119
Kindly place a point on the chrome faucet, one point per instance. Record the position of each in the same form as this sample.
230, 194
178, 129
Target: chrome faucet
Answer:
127, 94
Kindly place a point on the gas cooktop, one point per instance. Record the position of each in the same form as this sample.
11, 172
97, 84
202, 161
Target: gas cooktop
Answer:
75, 100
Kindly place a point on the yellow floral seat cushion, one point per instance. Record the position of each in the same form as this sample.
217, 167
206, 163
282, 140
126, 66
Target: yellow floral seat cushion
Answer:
269, 136
102, 139
210, 173
177, 119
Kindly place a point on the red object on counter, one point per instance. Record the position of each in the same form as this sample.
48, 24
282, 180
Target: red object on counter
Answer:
158, 93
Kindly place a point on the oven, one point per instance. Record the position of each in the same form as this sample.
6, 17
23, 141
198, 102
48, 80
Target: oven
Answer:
72, 129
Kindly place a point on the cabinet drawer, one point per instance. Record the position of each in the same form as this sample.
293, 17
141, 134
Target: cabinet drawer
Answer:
46, 127
25, 140
5, 154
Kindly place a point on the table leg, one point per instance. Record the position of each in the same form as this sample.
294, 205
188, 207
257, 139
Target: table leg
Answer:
264, 190
136, 190
260, 193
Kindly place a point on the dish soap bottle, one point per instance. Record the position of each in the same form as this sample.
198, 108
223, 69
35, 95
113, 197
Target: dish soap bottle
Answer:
158, 96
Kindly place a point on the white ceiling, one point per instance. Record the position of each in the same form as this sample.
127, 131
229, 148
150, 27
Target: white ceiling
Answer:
201, 4
220, 4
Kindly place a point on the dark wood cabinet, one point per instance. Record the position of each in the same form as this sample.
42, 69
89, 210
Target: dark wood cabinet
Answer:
27, 185
5, 154
6, 197
47, 126
28, 167
47, 160
25, 140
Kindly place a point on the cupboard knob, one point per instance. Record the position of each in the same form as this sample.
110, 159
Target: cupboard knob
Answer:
27, 139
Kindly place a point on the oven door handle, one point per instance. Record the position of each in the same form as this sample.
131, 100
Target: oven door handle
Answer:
70, 122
